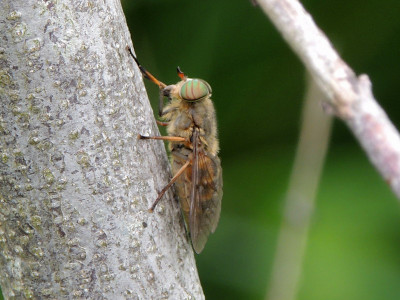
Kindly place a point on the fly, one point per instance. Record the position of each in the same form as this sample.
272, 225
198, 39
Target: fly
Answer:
193, 143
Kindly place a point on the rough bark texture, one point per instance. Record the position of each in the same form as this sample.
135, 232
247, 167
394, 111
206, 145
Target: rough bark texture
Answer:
75, 183
349, 97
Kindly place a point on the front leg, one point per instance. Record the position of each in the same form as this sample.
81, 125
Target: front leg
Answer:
162, 123
164, 92
161, 103
165, 138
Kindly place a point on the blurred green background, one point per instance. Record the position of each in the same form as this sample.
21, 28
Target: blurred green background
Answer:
258, 85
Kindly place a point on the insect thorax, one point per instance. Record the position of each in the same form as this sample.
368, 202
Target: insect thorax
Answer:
184, 117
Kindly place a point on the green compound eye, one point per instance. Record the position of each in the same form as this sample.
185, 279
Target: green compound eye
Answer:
195, 89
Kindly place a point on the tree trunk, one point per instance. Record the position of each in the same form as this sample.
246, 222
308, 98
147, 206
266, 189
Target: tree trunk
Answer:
75, 181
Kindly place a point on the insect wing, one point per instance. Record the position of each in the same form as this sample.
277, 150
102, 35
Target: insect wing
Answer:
205, 196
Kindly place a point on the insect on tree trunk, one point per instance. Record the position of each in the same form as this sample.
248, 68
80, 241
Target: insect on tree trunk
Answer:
75, 184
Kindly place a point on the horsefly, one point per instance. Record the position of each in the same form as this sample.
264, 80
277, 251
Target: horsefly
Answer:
193, 143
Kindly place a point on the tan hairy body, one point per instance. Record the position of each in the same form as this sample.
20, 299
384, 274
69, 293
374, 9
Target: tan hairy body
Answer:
192, 135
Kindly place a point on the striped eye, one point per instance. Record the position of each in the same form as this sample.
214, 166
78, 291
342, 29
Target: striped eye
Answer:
194, 89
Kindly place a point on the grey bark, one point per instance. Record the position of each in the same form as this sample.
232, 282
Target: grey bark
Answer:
75, 183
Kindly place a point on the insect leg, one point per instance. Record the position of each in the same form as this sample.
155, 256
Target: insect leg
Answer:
146, 73
165, 138
161, 103
179, 173
162, 123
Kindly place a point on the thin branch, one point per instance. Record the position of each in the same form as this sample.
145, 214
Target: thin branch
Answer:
300, 198
349, 97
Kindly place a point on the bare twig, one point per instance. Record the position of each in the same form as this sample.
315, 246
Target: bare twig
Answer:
300, 198
350, 97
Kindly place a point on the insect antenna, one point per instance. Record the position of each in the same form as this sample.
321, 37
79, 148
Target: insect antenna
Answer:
146, 73
181, 74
